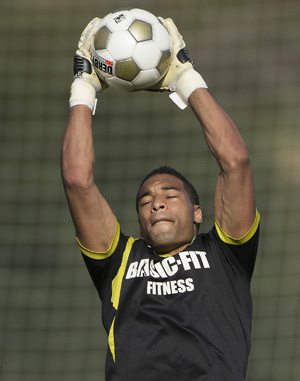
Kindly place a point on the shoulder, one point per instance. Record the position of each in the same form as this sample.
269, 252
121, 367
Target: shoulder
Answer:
121, 243
241, 253
218, 234
253, 231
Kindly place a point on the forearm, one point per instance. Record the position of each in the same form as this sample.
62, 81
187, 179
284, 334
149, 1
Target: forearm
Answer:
220, 132
234, 201
77, 150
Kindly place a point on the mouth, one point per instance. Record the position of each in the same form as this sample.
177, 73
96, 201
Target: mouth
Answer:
160, 220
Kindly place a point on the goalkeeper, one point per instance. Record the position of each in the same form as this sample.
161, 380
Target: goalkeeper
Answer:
176, 304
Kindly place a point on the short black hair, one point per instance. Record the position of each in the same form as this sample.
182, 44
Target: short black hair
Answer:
190, 189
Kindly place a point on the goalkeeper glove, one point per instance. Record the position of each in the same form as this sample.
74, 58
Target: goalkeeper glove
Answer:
181, 78
86, 84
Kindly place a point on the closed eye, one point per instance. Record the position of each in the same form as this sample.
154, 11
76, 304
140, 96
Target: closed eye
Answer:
145, 202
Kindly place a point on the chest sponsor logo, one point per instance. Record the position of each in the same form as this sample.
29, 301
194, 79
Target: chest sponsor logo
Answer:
187, 260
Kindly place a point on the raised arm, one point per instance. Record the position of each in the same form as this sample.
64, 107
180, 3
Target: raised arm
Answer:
93, 219
234, 201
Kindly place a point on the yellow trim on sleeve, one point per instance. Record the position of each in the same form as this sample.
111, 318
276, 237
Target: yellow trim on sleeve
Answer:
238, 241
104, 255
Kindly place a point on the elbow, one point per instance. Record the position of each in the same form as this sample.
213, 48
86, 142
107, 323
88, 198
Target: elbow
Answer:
238, 161
241, 160
74, 178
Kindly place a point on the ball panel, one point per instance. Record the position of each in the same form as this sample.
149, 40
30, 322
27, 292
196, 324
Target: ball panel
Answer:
141, 30
101, 38
145, 79
121, 45
162, 37
118, 83
147, 55
141, 14
104, 20
127, 70
164, 63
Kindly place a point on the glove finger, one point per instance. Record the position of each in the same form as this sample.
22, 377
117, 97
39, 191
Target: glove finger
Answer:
177, 40
90, 26
87, 35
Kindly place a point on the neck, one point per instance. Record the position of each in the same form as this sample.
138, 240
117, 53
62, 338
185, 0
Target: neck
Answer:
162, 253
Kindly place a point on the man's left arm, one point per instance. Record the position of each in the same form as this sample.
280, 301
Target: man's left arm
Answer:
234, 203
234, 200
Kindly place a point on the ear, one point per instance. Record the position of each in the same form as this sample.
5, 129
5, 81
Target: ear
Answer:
197, 214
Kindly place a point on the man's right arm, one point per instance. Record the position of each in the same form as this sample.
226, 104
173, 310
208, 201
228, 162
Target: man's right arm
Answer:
93, 218
94, 221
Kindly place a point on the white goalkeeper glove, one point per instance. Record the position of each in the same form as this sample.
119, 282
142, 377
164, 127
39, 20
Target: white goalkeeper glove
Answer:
86, 84
181, 78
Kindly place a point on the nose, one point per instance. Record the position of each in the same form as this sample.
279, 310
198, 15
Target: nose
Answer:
158, 204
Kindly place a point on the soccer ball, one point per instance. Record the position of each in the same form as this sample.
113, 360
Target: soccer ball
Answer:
131, 49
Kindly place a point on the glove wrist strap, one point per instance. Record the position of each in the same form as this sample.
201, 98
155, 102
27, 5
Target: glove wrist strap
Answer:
83, 93
187, 83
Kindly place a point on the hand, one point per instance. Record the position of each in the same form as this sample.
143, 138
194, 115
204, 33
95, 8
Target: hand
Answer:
181, 78
86, 84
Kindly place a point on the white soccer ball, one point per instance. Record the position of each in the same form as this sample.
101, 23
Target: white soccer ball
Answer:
131, 49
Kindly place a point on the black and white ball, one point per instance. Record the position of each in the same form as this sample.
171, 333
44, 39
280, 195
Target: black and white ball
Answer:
131, 49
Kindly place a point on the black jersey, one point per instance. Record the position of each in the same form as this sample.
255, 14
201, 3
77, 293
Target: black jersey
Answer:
181, 317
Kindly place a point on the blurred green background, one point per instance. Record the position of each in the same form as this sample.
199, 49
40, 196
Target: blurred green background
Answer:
249, 54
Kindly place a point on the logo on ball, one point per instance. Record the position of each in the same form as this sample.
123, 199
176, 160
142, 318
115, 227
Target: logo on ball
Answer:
103, 65
119, 18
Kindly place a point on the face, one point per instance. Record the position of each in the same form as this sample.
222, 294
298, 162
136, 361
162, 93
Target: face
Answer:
167, 216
